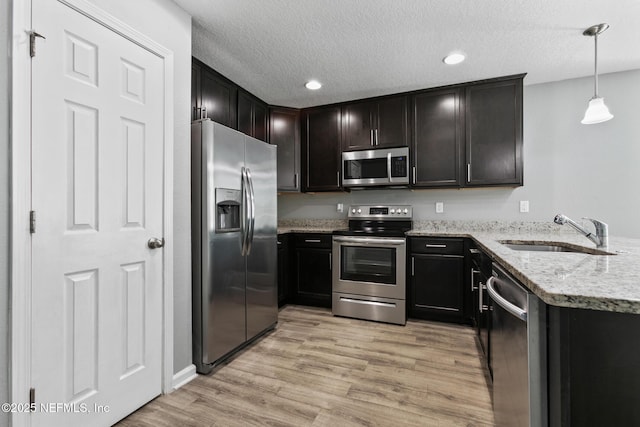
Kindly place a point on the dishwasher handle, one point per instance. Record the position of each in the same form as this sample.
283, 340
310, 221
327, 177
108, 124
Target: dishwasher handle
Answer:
511, 308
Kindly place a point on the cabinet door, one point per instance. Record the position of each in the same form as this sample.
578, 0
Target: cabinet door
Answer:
283, 270
285, 133
252, 116
245, 113
357, 129
313, 279
494, 133
391, 129
322, 149
219, 98
437, 286
196, 92
437, 138
260, 120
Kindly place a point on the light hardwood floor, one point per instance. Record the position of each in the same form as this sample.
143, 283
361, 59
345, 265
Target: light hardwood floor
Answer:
320, 370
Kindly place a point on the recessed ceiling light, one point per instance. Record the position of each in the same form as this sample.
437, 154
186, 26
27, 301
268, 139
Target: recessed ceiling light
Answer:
313, 85
453, 58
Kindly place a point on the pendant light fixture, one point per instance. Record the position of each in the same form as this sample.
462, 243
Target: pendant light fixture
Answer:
597, 111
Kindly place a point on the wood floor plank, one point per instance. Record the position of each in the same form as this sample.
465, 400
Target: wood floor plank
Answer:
319, 370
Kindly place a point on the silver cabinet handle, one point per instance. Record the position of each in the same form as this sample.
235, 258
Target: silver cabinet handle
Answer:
376, 137
312, 240
330, 263
155, 243
468, 172
371, 141
474, 251
481, 306
430, 245
295, 181
338, 174
414, 174
413, 266
473, 276
513, 309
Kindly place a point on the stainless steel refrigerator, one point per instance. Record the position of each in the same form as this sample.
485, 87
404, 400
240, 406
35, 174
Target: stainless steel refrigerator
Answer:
234, 216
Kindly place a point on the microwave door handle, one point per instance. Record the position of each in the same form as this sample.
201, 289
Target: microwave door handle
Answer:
389, 167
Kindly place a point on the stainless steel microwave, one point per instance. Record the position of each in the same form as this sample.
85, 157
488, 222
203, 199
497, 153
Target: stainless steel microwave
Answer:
375, 167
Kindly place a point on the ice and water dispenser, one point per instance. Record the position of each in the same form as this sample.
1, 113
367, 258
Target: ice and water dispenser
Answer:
227, 210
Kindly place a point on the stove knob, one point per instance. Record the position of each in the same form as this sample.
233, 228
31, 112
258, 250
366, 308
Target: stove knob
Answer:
406, 211
353, 211
393, 211
359, 210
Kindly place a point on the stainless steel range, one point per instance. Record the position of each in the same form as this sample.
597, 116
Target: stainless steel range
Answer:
369, 271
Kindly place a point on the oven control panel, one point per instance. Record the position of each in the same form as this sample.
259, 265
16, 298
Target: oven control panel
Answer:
381, 212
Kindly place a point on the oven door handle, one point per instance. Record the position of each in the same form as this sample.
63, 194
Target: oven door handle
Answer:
381, 241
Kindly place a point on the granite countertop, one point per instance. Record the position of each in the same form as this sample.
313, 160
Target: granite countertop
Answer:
311, 226
565, 279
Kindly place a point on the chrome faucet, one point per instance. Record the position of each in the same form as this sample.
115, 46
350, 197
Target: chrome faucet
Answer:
601, 239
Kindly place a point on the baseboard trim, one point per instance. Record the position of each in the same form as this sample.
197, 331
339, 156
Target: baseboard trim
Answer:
183, 377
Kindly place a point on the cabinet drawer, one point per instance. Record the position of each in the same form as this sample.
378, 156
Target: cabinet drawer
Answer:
432, 245
312, 240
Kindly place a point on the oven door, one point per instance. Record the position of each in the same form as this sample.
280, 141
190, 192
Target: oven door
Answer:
372, 266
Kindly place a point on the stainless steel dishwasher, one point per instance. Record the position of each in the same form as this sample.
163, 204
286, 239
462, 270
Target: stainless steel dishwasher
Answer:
518, 352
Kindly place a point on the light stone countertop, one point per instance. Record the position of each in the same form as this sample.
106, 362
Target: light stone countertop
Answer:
311, 225
565, 279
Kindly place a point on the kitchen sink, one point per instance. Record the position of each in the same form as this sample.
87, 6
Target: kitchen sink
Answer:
534, 246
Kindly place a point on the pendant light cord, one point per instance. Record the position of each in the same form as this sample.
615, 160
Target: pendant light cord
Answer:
596, 68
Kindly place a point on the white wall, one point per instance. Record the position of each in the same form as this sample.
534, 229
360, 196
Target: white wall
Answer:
5, 27
167, 24
579, 170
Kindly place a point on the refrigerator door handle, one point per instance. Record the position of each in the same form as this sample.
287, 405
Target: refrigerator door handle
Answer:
245, 212
252, 215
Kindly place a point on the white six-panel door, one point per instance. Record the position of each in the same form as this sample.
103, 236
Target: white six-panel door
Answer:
97, 177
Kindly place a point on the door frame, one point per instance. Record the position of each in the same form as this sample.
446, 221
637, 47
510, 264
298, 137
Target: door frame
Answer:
20, 252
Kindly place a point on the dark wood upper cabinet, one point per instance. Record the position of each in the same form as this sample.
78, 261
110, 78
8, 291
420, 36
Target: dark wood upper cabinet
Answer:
493, 125
358, 126
252, 116
437, 138
284, 131
321, 133
219, 97
196, 92
375, 123
392, 128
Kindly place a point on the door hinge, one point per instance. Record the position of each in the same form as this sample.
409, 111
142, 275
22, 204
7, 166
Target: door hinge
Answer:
32, 42
32, 397
32, 222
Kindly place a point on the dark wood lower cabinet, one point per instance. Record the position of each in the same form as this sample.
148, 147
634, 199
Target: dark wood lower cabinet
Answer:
436, 285
312, 255
594, 368
436, 271
283, 269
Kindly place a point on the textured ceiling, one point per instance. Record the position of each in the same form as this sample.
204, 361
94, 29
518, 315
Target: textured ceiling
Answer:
363, 48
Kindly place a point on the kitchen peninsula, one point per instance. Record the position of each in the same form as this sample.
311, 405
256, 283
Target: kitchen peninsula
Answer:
592, 304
